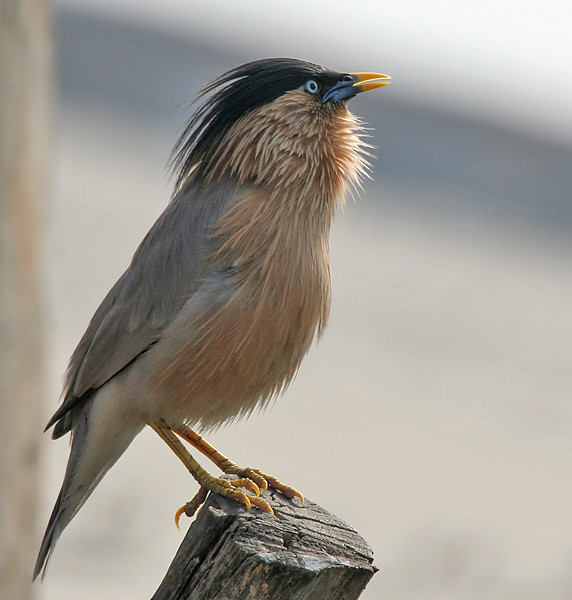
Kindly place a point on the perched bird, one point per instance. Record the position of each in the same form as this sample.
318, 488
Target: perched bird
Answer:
229, 288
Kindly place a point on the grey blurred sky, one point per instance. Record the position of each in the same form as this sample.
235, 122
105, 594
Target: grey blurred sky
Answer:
509, 60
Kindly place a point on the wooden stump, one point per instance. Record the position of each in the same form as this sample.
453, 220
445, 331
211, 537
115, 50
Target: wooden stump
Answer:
300, 553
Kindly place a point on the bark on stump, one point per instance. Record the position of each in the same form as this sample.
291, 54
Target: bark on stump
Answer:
301, 553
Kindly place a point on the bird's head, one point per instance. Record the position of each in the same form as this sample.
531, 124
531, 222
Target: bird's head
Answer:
254, 116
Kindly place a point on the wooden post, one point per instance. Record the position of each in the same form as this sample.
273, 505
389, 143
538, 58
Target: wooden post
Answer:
25, 70
301, 553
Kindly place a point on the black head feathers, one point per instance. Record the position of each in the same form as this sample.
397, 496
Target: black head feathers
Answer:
229, 97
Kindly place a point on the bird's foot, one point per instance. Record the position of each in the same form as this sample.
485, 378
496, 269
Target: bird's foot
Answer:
262, 480
253, 480
250, 480
225, 487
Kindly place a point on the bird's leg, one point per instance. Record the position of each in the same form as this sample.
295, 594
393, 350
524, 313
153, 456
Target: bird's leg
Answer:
262, 480
208, 482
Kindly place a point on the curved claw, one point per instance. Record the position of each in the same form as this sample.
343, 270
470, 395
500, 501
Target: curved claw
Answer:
297, 494
285, 490
247, 483
256, 476
178, 516
261, 504
190, 508
241, 497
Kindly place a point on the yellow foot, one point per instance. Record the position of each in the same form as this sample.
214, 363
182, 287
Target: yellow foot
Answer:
262, 480
224, 487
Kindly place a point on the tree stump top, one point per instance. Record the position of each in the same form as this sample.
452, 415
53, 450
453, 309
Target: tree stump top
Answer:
300, 553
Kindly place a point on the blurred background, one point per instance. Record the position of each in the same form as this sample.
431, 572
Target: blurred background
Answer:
435, 416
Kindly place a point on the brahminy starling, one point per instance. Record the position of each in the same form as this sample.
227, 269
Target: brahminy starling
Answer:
226, 293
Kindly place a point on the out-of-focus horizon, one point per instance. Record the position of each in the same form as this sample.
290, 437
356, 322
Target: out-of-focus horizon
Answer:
435, 414
505, 61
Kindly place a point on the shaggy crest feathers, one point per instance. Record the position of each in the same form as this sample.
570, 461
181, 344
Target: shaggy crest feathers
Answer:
228, 98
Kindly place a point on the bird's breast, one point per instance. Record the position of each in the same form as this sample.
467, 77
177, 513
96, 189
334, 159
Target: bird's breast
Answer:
241, 337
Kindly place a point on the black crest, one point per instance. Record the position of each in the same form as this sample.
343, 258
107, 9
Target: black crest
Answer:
229, 97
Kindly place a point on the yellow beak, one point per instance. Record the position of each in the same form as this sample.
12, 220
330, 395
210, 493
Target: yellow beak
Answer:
370, 81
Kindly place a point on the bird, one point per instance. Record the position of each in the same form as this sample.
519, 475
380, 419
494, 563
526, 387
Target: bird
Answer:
229, 288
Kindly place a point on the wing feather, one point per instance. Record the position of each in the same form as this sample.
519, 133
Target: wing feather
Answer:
165, 271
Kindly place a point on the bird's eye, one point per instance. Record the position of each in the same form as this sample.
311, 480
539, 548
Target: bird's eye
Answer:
347, 78
312, 87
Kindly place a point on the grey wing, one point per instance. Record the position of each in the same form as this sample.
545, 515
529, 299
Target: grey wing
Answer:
165, 271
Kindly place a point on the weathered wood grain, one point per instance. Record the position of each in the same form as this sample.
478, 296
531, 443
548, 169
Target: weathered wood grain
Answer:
301, 553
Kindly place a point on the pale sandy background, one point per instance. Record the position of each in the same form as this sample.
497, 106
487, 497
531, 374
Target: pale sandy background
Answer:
435, 416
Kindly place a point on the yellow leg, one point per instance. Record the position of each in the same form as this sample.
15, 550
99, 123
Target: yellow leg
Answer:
208, 482
227, 466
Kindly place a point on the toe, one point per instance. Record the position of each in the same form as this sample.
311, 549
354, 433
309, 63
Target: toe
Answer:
247, 483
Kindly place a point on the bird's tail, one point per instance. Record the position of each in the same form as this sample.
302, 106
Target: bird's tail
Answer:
53, 532
97, 442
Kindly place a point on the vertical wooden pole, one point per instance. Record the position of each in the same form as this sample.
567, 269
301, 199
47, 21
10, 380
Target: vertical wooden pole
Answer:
25, 78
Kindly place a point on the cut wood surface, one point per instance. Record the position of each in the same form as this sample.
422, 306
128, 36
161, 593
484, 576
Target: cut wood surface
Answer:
300, 553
